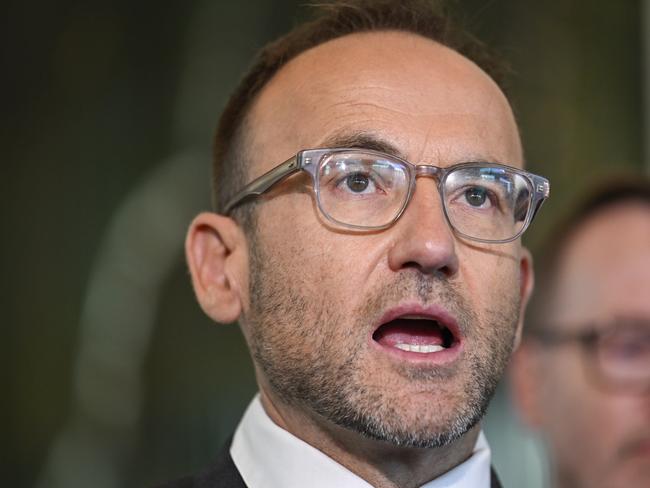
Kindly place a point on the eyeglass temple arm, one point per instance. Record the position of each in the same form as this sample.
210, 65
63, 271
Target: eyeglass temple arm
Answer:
262, 184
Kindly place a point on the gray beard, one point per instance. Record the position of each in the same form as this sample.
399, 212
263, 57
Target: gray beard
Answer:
290, 342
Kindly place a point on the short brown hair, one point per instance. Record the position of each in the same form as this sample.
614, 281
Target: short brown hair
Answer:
334, 19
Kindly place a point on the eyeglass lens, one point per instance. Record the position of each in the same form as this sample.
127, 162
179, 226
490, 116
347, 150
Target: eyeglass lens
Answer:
483, 202
362, 191
488, 202
624, 354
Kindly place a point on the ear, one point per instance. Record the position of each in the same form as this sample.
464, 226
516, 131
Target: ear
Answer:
526, 285
525, 375
217, 256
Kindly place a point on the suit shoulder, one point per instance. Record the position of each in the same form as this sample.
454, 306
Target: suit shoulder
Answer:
185, 482
222, 473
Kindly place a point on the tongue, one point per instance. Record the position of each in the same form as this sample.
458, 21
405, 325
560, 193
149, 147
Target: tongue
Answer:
409, 331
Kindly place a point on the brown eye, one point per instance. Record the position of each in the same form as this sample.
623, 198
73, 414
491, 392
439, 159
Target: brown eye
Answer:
357, 182
476, 196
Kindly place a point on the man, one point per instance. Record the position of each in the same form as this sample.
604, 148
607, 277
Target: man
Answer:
582, 375
367, 242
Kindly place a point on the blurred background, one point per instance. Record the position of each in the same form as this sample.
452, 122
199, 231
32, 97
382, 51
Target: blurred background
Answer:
112, 376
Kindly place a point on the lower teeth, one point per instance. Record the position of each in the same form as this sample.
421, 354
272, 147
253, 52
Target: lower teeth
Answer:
421, 348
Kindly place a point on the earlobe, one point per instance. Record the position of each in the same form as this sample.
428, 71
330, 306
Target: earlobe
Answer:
215, 248
526, 285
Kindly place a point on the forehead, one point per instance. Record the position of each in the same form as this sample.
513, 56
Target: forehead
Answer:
605, 268
429, 101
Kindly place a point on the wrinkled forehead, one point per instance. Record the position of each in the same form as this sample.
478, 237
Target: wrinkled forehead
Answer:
420, 96
604, 271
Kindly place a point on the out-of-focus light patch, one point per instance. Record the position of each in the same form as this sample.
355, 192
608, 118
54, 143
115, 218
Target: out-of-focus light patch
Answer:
140, 249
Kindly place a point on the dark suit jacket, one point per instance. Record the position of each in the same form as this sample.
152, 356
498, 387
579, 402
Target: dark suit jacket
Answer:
223, 474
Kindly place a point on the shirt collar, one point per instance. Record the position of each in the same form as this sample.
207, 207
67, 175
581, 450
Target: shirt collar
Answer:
268, 456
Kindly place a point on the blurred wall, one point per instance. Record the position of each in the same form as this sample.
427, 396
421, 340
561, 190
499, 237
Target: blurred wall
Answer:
111, 372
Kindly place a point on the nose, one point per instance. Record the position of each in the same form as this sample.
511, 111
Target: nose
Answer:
423, 238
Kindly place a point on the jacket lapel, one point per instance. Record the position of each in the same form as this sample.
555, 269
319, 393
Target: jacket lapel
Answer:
494, 479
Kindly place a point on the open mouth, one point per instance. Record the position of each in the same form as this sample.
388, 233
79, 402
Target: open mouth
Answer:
418, 335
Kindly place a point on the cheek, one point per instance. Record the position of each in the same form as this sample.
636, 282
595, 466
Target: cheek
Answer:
287, 228
490, 279
307, 252
575, 413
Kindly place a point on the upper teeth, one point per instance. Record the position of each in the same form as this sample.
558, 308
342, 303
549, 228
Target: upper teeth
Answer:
419, 347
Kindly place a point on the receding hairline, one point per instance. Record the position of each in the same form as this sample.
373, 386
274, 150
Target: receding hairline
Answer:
390, 32
468, 69
431, 19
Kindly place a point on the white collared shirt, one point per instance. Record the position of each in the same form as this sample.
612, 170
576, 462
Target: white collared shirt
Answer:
267, 456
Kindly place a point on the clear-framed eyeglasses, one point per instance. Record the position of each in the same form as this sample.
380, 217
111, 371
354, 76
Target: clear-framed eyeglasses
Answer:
616, 355
369, 190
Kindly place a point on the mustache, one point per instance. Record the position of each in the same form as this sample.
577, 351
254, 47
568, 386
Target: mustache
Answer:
426, 289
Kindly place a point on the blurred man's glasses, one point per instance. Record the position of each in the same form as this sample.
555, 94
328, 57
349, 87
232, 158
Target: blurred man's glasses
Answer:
617, 355
364, 189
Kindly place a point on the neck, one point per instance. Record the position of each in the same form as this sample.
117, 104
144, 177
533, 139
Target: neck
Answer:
380, 463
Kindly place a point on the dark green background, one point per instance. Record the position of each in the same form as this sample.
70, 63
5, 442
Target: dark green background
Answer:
99, 95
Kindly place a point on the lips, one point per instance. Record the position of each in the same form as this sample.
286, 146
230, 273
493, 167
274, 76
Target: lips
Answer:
418, 333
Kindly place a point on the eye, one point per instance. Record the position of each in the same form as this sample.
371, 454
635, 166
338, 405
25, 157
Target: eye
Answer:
476, 196
357, 182
627, 346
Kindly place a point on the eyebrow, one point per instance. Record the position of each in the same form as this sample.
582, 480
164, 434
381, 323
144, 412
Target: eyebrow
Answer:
374, 142
362, 140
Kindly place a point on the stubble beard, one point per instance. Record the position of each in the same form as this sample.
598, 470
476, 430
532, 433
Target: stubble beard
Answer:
316, 365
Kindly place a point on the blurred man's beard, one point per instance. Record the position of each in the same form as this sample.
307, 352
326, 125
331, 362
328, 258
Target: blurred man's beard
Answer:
313, 361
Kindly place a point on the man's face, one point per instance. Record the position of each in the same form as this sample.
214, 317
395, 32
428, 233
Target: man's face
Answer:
598, 437
319, 297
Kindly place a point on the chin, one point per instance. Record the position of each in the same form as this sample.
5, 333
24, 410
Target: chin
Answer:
423, 420
439, 432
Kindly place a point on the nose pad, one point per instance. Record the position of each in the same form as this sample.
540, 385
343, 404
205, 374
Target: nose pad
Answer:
423, 236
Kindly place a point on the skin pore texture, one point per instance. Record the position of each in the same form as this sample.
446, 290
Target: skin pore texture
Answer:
598, 438
309, 297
